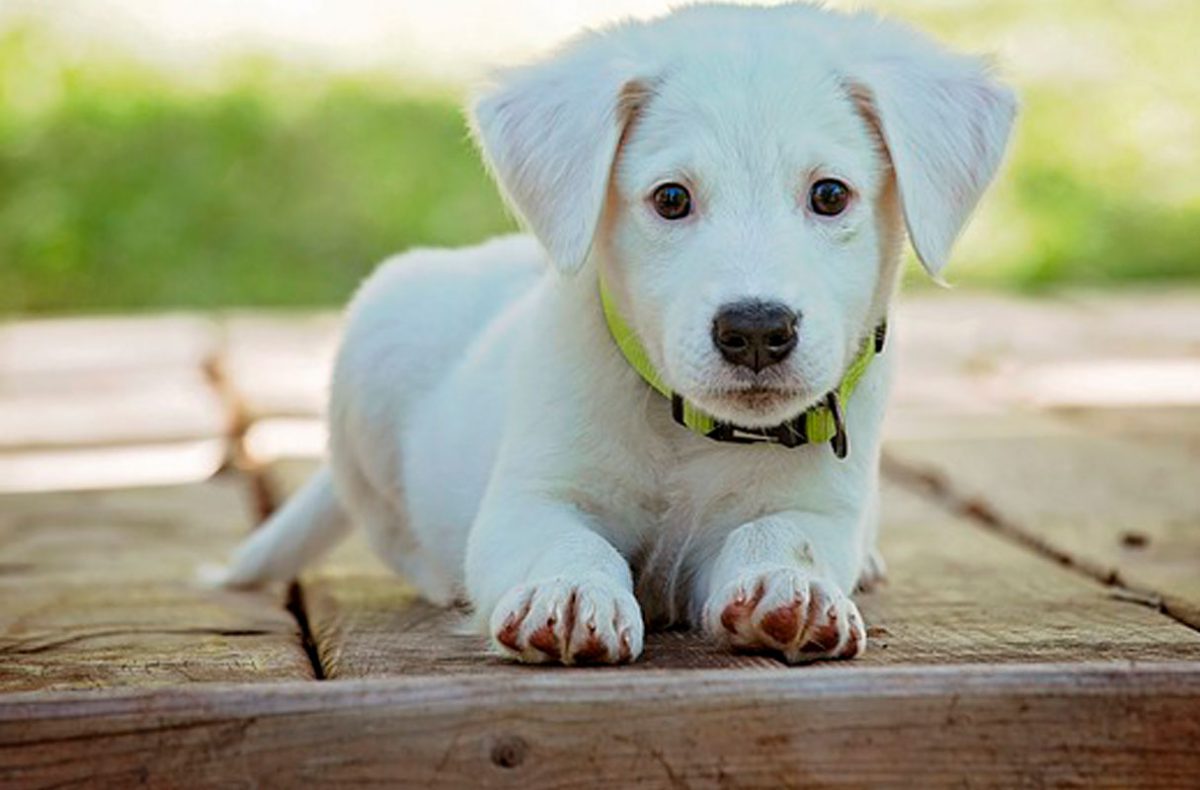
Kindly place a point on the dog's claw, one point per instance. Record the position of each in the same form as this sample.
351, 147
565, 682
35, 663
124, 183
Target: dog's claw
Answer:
800, 617
566, 622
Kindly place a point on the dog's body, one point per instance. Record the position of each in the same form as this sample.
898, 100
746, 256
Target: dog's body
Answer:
495, 442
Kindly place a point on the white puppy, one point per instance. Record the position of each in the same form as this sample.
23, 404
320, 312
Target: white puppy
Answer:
736, 181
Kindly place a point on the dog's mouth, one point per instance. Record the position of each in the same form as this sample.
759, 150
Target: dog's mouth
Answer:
760, 397
756, 405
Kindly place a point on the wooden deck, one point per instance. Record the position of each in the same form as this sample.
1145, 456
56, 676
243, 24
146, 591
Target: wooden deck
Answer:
1041, 624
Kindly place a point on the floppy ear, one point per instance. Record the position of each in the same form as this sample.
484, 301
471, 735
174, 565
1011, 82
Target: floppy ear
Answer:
549, 133
945, 123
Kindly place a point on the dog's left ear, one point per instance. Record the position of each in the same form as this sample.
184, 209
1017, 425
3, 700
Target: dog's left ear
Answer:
945, 123
549, 133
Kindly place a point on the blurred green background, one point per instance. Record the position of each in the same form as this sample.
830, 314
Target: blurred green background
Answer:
126, 185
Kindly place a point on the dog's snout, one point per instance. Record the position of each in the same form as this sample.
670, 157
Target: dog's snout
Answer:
755, 334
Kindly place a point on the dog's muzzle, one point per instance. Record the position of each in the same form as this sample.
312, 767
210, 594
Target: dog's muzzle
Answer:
823, 422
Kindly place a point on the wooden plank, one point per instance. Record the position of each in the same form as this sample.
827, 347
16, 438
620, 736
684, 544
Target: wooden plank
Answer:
1146, 322
96, 589
118, 466
43, 349
957, 594
1120, 509
172, 404
278, 364
1091, 725
982, 352
977, 330
77, 382
274, 439
1146, 423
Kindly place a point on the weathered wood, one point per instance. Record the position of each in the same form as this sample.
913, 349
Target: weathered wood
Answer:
1120, 509
956, 594
117, 466
981, 352
1147, 323
97, 589
139, 408
45, 349
957, 350
76, 382
284, 438
1145, 423
1093, 725
277, 365
88, 403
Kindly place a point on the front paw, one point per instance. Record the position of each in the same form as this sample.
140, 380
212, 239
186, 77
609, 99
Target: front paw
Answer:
595, 621
787, 610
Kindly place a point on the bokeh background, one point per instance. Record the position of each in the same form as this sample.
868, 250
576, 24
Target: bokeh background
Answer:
168, 153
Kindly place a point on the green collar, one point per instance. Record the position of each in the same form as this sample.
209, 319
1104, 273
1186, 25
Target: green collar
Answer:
824, 422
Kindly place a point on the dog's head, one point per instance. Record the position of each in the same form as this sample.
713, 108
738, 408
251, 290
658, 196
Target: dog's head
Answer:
740, 177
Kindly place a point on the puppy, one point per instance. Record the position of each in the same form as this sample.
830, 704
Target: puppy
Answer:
663, 406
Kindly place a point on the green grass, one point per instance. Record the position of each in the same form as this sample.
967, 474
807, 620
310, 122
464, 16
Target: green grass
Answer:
127, 192
123, 188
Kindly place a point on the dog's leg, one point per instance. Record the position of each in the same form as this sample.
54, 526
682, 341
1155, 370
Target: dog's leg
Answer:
549, 588
874, 570
782, 583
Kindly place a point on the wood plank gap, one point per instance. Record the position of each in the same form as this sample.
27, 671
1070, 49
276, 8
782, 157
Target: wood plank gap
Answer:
265, 498
928, 483
296, 605
239, 423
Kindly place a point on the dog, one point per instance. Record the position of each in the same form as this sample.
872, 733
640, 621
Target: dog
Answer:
663, 406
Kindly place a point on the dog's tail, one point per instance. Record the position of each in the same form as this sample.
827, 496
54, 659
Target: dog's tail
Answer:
309, 524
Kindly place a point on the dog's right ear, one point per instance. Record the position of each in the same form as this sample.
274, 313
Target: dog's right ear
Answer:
549, 133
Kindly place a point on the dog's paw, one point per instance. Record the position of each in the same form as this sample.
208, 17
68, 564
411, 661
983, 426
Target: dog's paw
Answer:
594, 621
789, 611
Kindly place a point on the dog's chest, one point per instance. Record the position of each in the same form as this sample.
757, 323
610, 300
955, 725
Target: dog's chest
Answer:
679, 488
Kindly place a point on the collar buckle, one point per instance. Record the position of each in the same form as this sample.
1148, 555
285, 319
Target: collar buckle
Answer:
841, 440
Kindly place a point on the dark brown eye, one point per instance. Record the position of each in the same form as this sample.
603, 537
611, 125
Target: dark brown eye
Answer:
828, 197
672, 201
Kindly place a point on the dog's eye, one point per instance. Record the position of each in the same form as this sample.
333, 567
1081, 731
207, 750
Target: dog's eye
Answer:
672, 201
828, 197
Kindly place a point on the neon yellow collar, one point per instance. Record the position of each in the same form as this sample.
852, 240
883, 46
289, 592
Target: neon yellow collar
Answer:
823, 422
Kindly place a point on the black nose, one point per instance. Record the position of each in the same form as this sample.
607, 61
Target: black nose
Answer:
755, 334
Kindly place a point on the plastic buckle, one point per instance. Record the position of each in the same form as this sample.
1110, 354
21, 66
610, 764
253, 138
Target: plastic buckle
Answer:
677, 408
840, 441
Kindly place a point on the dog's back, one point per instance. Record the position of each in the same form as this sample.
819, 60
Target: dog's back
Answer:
406, 328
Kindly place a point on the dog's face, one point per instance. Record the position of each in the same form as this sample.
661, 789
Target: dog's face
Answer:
740, 177
748, 230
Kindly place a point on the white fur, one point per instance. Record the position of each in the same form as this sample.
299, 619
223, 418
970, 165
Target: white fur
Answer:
493, 441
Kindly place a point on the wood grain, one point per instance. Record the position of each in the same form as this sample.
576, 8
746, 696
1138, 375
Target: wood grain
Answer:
977, 352
97, 589
961, 594
278, 364
39, 352
148, 407
1090, 725
68, 383
1120, 509
957, 594
115, 466
1178, 424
